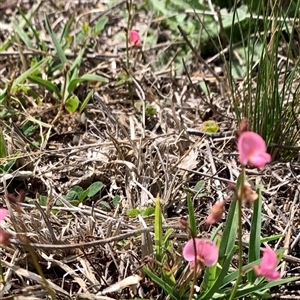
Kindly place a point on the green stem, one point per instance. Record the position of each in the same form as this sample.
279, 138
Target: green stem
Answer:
240, 234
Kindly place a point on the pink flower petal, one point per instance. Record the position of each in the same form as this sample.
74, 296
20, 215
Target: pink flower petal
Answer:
3, 213
206, 250
269, 260
134, 38
188, 251
268, 265
259, 160
252, 149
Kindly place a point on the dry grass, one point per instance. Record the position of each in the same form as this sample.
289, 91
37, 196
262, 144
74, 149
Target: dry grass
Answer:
86, 249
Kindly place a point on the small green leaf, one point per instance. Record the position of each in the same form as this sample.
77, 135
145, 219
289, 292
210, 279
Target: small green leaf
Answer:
105, 204
116, 200
95, 188
72, 195
149, 211
28, 128
74, 202
100, 25
83, 195
43, 200
72, 104
132, 212
210, 126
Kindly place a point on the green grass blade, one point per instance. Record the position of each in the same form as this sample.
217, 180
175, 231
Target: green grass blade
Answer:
167, 288
23, 35
158, 231
230, 231
57, 45
29, 24
255, 233
192, 219
86, 101
219, 278
264, 286
87, 77
45, 83
3, 149
29, 72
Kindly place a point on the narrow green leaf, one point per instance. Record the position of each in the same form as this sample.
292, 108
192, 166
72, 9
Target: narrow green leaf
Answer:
230, 230
158, 234
167, 288
3, 148
29, 24
87, 77
45, 83
86, 101
255, 233
23, 35
192, 219
218, 278
66, 30
29, 72
72, 104
56, 43
264, 286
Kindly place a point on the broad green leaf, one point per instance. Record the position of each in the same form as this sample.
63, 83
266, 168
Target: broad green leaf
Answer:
158, 235
56, 42
87, 77
72, 104
95, 188
255, 233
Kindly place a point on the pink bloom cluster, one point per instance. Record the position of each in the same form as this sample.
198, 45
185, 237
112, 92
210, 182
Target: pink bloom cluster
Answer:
268, 265
206, 254
4, 236
134, 38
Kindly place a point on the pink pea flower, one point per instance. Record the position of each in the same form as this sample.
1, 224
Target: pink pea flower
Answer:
4, 236
253, 150
207, 252
134, 38
268, 265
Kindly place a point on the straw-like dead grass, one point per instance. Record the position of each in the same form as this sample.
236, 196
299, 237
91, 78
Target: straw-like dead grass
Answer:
85, 251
